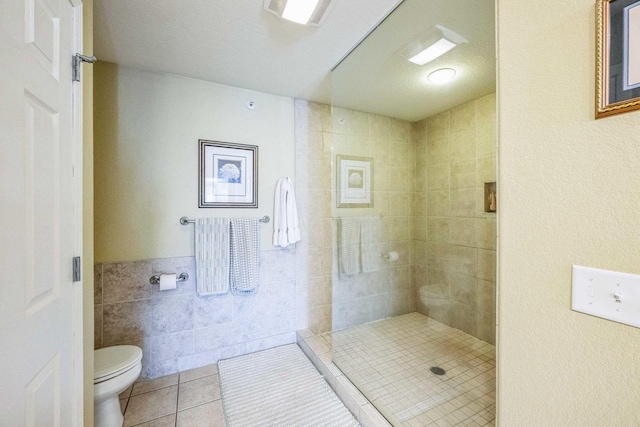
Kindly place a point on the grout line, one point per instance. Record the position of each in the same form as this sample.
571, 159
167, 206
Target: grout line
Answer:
175, 420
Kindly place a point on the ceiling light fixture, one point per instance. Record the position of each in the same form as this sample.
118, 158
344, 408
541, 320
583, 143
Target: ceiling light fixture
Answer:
305, 12
442, 76
435, 43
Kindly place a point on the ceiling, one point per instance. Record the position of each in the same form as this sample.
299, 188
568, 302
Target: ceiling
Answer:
238, 43
233, 42
377, 78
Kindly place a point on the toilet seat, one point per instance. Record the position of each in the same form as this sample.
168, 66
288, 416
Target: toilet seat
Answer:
109, 362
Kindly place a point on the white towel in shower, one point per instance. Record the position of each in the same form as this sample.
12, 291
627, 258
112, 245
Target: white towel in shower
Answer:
349, 246
286, 230
245, 255
212, 255
370, 243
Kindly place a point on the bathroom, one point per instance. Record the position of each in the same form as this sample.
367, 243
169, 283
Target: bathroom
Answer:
431, 283
147, 125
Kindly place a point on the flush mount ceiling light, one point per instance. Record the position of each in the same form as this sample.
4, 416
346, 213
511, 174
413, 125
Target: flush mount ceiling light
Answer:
305, 12
442, 76
435, 43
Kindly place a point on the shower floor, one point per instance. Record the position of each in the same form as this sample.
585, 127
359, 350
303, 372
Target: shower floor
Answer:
389, 361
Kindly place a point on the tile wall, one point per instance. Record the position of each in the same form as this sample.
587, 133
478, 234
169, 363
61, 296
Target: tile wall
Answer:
321, 135
178, 330
456, 253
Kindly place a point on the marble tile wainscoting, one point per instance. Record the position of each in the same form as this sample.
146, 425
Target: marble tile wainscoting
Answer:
178, 330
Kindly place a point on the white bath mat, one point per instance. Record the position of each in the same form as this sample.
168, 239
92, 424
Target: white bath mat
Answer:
278, 387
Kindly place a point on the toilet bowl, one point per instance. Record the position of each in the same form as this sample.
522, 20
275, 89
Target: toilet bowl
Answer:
115, 369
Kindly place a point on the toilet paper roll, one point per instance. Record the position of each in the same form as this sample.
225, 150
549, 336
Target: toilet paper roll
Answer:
167, 282
393, 256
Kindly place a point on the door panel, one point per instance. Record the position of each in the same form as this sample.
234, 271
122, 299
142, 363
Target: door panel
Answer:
37, 225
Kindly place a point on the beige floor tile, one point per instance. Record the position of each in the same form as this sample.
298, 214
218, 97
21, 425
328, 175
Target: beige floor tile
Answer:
166, 421
207, 415
194, 374
150, 385
123, 405
197, 392
151, 406
125, 394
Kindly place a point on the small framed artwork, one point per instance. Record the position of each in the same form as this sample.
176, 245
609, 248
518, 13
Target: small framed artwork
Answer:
618, 57
355, 182
228, 175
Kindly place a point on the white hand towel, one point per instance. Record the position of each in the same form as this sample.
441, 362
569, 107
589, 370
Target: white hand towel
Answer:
245, 255
349, 248
286, 230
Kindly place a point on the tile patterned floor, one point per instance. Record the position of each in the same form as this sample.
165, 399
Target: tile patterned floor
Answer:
187, 399
389, 362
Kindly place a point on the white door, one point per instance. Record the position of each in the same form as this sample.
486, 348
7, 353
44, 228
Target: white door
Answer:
39, 229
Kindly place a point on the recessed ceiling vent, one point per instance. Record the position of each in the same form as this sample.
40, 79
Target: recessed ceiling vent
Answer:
305, 12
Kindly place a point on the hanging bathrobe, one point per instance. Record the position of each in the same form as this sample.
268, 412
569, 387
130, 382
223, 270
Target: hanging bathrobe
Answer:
285, 216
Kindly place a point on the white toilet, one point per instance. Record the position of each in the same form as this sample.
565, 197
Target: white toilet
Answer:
115, 369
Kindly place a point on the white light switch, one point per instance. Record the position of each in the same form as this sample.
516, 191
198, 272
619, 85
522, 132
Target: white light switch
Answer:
607, 294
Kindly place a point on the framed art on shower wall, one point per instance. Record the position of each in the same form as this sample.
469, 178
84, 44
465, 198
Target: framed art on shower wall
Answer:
355, 182
618, 57
228, 176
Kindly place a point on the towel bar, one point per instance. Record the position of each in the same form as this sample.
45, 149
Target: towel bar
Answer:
186, 220
182, 277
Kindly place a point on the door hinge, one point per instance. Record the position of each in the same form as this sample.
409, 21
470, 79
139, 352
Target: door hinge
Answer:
76, 64
77, 263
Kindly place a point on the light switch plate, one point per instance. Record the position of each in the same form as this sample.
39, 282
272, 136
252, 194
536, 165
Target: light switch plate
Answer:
607, 294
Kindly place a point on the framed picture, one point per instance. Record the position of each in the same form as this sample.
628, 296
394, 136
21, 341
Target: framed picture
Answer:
355, 182
618, 57
228, 175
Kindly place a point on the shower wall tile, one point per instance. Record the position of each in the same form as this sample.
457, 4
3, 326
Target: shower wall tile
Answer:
486, 296
463, 317
463, 232
463, 203
487, 265
463, 174
486, 170
459, 285
462, 289
125, 281
438, 150
487, 238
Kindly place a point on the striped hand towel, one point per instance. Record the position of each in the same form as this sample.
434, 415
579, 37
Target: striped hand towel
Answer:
245, 255
349, 249
212, 256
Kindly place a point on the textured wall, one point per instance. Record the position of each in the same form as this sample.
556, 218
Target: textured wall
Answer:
146, 157
456, 254
569, 194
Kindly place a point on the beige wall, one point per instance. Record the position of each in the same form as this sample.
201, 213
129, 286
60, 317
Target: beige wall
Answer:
456, 254
87, 213
569, 194
146, 156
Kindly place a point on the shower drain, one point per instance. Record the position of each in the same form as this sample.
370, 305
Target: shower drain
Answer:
437, 370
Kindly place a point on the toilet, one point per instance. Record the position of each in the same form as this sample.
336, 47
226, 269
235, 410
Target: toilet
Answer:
115, 369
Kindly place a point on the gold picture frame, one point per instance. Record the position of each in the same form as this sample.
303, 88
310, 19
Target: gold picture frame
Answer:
617, 53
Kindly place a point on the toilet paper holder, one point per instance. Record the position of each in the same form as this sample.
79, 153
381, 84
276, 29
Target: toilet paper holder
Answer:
182, 277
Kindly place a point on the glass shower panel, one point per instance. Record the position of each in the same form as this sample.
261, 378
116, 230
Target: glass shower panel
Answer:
413, 251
